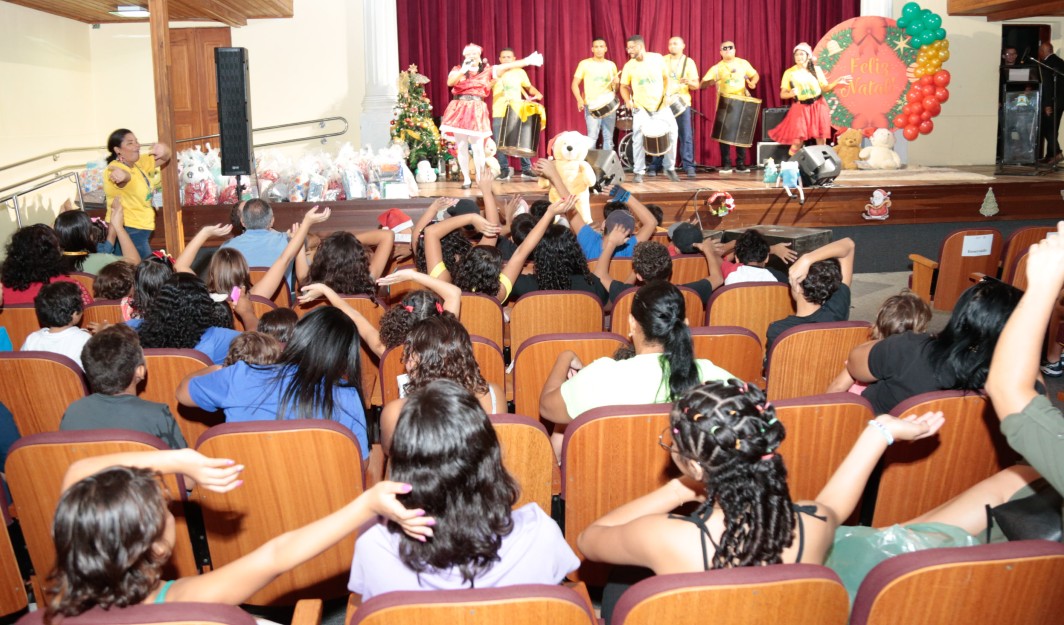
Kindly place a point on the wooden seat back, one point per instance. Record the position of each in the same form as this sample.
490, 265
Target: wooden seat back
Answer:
20, 320
732, 348
522, 604
372, 310
965, 585
282, 297
37, 387
1016, 245
482, 316
750, 305
166, 369
954, 268
806, 358
35, 467
610, 456
688, 268
393, 294
549, 312
694, 310
13, 597
169, 613
737, 596
86, 280
261, 305
278, 496
534, 361
921, 475
102, 311
528, 456
486, 353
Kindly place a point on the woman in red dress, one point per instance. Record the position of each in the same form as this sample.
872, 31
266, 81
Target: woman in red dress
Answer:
466, 119
809, 117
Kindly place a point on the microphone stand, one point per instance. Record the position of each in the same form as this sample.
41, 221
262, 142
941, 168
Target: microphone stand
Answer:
1056, 127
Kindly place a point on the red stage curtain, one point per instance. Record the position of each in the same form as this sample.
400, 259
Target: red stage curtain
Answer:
432, 34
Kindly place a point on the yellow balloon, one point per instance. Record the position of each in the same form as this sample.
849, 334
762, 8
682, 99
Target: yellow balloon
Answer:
919, 71
945, 43
943, 55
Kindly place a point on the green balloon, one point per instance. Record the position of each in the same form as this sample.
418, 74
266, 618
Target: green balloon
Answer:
910, 9
903, 22
940, 33
933, 21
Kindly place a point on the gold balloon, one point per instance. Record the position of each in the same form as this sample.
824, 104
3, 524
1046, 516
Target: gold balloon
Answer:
943, 55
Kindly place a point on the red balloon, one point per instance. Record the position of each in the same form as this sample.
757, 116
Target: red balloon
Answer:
935, 107
925, 116
906, 110
929, 103
927, 90
926, 127
900, 121
914, 119
942, 94
942, 78
916, 108
911, 133
914, 94
926, 80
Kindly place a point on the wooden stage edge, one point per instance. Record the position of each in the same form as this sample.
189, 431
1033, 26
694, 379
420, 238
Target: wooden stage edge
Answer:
954, 196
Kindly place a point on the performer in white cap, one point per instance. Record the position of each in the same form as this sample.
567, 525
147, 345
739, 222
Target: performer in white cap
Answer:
809, 118
466, 120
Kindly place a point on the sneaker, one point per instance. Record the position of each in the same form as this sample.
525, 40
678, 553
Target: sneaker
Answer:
638, 178
742, 169
692, 175
528, 175
1053, 369
671, 173
652, 173
504, 177
726, 169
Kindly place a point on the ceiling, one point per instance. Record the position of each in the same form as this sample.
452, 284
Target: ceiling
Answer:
231, 12
998, 10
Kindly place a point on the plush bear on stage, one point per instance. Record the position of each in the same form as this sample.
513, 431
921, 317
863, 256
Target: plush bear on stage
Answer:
492, 163
569, 151
881, 154
849, 147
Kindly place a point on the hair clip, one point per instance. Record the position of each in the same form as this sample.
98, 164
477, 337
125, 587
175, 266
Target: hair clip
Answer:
408, 308
439, 308
772, 420
97, 220
697, 416
713, 430
675, 430
738, 442
732, 413
768, 456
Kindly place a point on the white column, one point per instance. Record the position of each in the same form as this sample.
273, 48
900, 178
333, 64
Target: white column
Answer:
881, 8
380, 39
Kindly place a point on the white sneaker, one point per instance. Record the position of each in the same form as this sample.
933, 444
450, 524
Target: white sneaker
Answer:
724, 170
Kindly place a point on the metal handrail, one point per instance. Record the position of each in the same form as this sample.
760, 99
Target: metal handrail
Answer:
14, 196
54, 155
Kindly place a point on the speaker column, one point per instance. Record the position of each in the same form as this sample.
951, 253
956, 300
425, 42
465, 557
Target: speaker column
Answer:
234, 110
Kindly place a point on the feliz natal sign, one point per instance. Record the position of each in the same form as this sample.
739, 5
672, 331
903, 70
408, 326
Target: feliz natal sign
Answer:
877, 54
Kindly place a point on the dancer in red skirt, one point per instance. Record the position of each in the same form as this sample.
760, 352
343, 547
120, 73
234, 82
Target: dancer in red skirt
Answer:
466, 119
809, 117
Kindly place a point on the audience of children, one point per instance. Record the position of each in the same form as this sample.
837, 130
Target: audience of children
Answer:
33, 259
58, 307
79, 238
114, 366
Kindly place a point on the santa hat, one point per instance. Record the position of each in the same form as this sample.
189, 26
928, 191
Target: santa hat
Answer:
395, 220
805, 48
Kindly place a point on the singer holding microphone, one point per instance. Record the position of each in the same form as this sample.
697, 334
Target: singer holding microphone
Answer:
466, 120
809, 118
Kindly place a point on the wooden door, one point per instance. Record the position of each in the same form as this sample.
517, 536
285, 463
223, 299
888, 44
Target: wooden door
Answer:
192, 80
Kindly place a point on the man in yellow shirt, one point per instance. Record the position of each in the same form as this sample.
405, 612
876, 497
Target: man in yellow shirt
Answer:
733, 76
599, 77
511, 85
644, 83
683, 76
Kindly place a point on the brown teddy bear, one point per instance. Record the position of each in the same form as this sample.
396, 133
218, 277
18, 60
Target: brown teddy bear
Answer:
849, 146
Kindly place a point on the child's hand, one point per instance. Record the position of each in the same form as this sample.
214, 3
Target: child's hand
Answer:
784, 252
1045, 263
216, 231
312, 292
381, 499
402, 275
220, 475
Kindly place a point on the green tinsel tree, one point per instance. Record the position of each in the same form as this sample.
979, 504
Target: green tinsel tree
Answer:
413, 123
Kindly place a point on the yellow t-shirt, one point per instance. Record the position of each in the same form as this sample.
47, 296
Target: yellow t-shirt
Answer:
647, 80
731, 78
597, 76
508, 87
136, 195
690, 72
805, 85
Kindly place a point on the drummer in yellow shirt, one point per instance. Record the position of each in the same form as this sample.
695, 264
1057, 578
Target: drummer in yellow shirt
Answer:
511, 85
599, 77
644, 83
683, 76
733, 77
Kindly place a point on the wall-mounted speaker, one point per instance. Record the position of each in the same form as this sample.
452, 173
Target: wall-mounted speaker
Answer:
234, 110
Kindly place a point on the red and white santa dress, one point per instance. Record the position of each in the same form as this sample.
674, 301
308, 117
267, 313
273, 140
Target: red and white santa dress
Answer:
467, 114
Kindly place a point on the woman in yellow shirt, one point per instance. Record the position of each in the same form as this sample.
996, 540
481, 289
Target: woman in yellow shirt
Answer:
809, 118
129, 177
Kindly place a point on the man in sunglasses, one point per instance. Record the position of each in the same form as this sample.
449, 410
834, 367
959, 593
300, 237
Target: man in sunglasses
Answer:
733, 77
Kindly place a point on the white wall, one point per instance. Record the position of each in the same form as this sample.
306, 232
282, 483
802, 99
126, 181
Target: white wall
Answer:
966, 130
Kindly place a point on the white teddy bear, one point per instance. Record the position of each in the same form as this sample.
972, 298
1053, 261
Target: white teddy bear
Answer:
569, 151
881, 154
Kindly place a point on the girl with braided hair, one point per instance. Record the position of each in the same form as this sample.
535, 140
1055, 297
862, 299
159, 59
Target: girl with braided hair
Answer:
723, 436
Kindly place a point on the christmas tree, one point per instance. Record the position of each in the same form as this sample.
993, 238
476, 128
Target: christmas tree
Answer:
990, 206
413, 123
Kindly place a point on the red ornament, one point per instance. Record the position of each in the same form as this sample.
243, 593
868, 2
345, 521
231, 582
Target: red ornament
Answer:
926, 127
942, 78
911, 133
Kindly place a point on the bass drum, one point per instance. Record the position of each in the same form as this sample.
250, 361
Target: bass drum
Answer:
624, 150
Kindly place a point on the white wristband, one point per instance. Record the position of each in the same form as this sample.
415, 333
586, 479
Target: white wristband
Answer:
882, 430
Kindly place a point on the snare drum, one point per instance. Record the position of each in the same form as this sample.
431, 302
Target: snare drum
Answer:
604, 105
520, 129
624, 118
676, 104
656, 140
736, 118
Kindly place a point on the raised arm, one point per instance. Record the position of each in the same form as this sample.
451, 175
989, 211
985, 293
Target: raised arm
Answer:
266, 285
449, 293
647, 223
842, 492
435, 233
1014, 368
426, 218
118, 228
162, 154
513, 267
843, 250
217, 474
183, 262
369, 332
709, 250
382, 241
610, 243
485, 178
551, 403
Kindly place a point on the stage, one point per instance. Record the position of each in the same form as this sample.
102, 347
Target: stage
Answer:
928, 202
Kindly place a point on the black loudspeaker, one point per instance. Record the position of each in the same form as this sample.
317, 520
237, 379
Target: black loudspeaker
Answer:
607, 166
778, 152
818, 164
770, 118
234, 110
